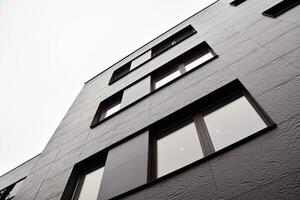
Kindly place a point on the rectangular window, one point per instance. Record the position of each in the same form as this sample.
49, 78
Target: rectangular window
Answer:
177, 143
173, 40
233, 122
153, 52
177, 149
280, 8
119, 73
182, 64
140, 60
236, 2
107, 108
88, 185
86, 178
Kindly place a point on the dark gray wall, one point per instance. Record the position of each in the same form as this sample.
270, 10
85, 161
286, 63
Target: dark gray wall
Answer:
263, 53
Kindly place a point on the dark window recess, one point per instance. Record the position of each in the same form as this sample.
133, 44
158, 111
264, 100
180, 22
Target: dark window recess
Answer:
173, 40
85, 180
11, 191
236, 2
205, 128
155, 51
182, 64
280, 8
120, 72
107, 108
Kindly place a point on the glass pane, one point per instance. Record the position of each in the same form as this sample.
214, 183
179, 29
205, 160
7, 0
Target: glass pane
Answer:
112, 110
232, 123
198, 61
91, 185
178, 149
167, 79
141, 59
16, 188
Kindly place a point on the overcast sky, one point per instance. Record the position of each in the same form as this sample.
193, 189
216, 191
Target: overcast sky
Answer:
48, 49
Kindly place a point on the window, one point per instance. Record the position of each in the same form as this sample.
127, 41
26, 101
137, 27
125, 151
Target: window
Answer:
11, 191
107, 108
173, 40
233, 122
280, 8
184, 63
140, 60
178, 149
88, 185
153, 52
212, 125
236, 2
119, 73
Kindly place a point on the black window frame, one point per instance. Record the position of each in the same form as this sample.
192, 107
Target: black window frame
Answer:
176, 36
103, 107
80, 169
196, 115
236, 2
178, 63
280, 8
119, 73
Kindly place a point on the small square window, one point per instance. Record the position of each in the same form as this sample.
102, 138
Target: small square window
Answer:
177, 149
120, 72
88, 185
107, 108
280, 8
236, 2
233, 122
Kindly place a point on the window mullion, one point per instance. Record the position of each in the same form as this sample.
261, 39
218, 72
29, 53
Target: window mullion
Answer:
204, 138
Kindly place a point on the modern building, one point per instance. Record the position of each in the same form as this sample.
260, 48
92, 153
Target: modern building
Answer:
210, 109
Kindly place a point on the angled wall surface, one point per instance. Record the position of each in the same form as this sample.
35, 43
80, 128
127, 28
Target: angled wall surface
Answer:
262, 53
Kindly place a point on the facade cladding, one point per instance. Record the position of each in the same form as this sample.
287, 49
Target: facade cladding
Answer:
210, 109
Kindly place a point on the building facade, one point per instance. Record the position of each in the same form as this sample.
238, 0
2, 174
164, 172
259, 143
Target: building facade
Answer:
210, 109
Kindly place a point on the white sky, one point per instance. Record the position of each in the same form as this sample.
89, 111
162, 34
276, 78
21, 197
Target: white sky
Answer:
48, 49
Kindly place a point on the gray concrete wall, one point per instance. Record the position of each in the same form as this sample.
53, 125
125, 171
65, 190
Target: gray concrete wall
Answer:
263, 53
17, 173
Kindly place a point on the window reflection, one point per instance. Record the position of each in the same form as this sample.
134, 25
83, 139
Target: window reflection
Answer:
232, 123
178, 149
90, 185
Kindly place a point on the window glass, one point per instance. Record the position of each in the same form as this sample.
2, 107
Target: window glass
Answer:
91, 185
112, 110
140, 60
178, 149
167, 78
16, 188
232, 123
198, 61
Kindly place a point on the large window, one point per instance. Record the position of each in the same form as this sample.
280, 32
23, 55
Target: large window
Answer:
182, 64
233, 122
208, 130
177, 149
88, 185
280, 8
153, 52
